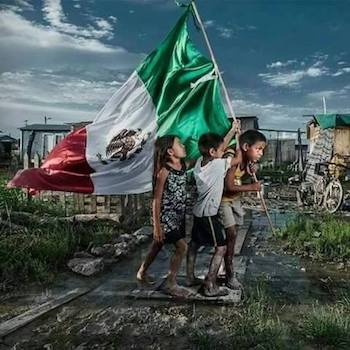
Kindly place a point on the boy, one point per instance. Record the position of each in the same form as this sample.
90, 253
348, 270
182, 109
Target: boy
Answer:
252, 144
209, 173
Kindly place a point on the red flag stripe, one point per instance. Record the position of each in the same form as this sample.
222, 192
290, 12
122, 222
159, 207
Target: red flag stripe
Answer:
65, 168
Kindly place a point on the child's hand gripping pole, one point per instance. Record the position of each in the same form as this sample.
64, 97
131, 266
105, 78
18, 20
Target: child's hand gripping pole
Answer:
261, 197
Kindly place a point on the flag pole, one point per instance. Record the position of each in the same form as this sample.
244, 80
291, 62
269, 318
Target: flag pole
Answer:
228, 101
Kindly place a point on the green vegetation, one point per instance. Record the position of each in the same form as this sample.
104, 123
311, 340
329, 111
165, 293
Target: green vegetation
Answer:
36, 255
279, 174
321, 237
328, 326
262, 324
35, 243
15, 199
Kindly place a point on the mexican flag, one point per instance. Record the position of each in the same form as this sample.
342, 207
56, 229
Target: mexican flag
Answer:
175, 90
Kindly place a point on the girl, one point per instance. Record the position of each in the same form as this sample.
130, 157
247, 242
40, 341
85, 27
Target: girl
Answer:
168, 210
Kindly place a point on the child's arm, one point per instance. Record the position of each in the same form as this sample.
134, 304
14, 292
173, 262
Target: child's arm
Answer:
158, 235
235, 128
235, 155
231, 188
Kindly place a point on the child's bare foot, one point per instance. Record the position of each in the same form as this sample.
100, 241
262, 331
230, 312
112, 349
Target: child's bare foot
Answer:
233, 283
212, 290
144, 278
191, 282
175, 290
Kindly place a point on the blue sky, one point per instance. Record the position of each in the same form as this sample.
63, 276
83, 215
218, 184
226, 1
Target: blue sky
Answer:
64, 59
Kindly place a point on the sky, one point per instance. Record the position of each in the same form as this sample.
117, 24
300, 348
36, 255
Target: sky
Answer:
64, 58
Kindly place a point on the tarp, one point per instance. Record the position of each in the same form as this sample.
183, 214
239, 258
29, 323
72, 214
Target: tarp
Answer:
327, 121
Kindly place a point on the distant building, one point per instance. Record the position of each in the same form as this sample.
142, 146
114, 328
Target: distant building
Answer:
248, 122
283, 151
77, 125
41, 138
7, 145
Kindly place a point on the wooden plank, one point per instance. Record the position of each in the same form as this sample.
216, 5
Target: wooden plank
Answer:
122, 199
107, 208
81, 203
22, 320
234, 296
93, 204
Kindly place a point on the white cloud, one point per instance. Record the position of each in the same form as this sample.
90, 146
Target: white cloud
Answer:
341, 71
16, 30
284, 78
315, 72
290, 79
46, 87
273, 115
209, 23
340, 93
49, 71
67, 98
54, 14
225, 32
279, 64
26, 45
26, 5
18, 6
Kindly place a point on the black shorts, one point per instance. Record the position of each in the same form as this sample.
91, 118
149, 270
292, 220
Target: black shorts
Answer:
208, 231
173, 236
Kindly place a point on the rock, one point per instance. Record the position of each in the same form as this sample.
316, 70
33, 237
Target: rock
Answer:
86, 266
122, 246
132, 244
341, 266
120, 252
107, 250
125, 237
65, 313
83, 255
142, 239
98, 251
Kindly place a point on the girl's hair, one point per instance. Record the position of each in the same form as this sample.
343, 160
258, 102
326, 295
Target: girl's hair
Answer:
161, 155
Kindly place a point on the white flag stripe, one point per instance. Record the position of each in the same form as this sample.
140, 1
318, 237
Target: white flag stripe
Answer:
130, 108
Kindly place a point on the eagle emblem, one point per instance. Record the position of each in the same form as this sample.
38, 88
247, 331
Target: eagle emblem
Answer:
124, 145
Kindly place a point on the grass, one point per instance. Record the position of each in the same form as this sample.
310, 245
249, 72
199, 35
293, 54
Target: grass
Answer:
39, 251
323, 237
253, 326
14, 199
328, 326
256, 324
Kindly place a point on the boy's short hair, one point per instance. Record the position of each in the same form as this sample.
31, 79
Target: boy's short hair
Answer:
208, 141
251, 137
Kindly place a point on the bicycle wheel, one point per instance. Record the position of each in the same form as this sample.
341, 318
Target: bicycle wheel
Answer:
334, 196
319, 191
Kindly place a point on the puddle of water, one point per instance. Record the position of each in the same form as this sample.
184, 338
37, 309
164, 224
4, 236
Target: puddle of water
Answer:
291, 278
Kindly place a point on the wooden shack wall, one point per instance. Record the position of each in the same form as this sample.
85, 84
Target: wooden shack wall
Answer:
342, 141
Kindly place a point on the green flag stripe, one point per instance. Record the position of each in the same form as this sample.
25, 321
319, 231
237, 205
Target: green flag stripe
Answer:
167, 74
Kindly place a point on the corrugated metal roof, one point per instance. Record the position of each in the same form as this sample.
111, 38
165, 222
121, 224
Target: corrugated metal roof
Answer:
7, 138
47, 127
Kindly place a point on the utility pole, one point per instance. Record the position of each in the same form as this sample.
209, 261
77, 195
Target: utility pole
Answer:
324, 105
46, 119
